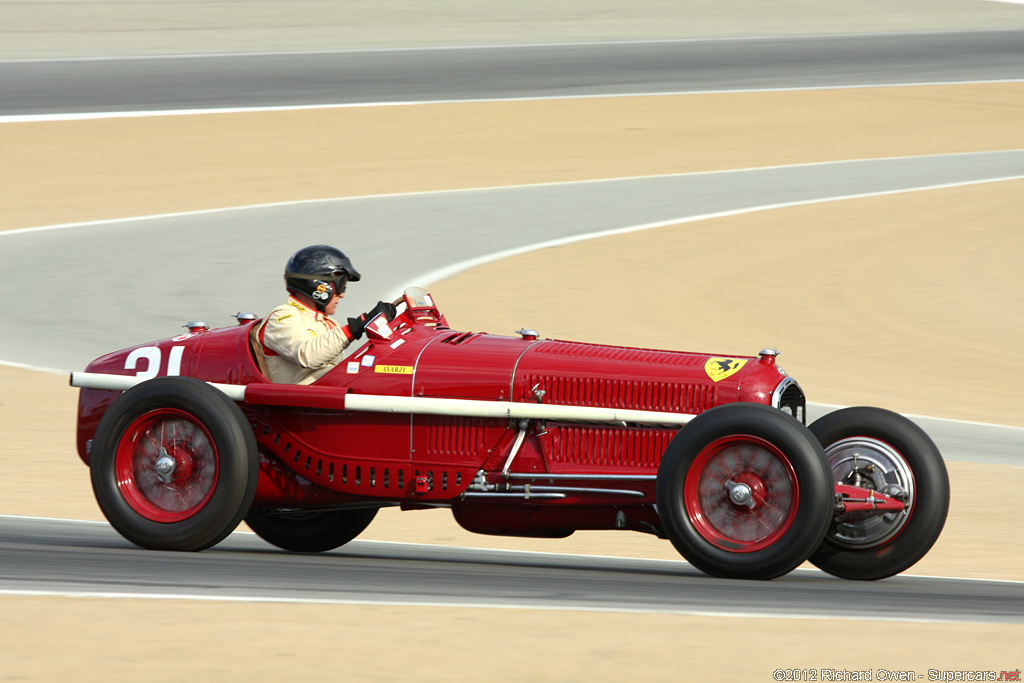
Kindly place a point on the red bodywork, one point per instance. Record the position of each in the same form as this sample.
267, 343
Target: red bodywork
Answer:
564, 476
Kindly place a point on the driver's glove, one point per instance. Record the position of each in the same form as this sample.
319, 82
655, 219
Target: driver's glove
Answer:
357, 325
386, 307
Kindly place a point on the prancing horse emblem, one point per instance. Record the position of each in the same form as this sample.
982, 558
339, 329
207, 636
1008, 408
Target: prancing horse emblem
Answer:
720, 368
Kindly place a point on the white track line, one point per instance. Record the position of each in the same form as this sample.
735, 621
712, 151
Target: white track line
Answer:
448, 271
915, 416
512, 551
35, 368
112, 595
493, 188
453, 269
88, 116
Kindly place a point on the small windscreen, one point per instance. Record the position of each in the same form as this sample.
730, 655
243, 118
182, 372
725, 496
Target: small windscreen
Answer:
417, 297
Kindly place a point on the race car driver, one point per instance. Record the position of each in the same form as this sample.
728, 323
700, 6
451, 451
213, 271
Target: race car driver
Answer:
298, 340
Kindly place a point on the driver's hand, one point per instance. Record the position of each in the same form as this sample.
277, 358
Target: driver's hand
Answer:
388, 309
357, 325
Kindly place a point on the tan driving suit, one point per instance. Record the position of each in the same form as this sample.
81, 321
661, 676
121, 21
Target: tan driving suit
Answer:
300, 344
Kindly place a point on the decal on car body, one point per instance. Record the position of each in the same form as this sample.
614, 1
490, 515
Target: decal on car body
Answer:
394, 369
154, 358
720, 368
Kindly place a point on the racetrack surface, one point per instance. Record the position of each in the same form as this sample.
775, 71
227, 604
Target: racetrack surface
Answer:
700, 638
245, 568
495, 72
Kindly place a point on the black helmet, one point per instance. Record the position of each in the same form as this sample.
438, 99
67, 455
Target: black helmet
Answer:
319, 272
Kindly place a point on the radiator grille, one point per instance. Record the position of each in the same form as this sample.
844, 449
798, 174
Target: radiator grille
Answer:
792, 401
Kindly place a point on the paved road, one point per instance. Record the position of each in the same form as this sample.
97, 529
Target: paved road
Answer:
54, 556
127, 84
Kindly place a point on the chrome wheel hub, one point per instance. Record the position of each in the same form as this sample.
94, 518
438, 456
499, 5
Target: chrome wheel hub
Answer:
740, 494
875, 465
165, 466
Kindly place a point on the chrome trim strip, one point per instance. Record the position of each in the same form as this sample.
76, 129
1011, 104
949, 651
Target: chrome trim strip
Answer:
786, 383
574, 489
584, 477
515, 366
416, 363
517, 496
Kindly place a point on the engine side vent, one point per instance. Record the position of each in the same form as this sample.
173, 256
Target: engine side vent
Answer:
609, 446
457, 338
454, 436
620, 354
670, 397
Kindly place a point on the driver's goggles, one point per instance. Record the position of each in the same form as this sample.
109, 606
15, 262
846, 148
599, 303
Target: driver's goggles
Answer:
340, 284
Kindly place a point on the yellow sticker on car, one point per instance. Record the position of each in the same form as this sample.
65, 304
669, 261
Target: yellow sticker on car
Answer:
394, 369
720, 368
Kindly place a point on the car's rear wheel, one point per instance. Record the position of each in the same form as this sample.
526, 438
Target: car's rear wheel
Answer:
174, 464
885, 452
743, 492
309, 531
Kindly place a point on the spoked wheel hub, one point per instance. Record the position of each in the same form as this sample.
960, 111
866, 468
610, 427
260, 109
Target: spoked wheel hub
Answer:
748, 490
166, 465
741, 494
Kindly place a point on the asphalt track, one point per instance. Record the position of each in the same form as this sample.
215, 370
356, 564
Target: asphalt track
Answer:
71, 557
403, 75
82, 558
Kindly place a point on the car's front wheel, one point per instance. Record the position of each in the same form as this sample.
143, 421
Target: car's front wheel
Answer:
743, 492
882, 451
174, 464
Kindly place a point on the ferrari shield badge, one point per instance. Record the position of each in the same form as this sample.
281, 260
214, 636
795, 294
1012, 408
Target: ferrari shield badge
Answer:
720, 368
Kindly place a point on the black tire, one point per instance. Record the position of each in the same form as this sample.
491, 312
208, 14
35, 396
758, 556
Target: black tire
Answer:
882, 546
781, 517
174, 465
312, 531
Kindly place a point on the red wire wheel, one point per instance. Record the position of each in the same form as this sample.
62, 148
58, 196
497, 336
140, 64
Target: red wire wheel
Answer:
174, 464
166, 465
741, 493
744, 491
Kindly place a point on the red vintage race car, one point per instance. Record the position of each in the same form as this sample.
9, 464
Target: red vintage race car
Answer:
519, 436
